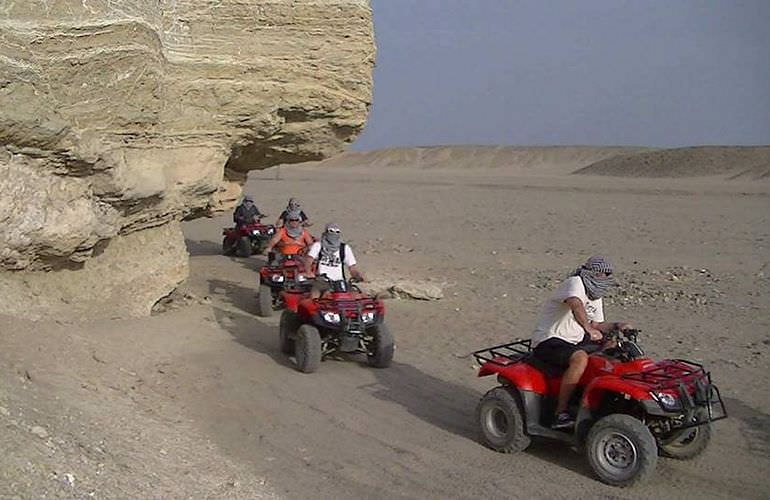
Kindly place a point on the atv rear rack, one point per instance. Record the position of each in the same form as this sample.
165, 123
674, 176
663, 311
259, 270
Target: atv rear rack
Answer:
504, 354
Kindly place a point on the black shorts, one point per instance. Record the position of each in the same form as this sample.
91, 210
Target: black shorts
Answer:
556, 351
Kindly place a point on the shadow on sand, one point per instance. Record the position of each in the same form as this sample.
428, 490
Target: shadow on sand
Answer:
441, 403
452, 407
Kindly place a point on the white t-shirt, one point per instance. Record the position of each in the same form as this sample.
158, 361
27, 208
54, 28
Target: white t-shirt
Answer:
331, 266
556, 318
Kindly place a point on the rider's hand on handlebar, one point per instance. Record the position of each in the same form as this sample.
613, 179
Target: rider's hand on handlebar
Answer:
595, 334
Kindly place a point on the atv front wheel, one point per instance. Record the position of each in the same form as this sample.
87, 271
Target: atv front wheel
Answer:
286, 331
307, 349
382, 347
687, 443
244, 247
501, 421
265, 301
621, 450
227, 246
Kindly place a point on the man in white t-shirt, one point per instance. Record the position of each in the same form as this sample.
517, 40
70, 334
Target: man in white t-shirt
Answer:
572, 323
328, 257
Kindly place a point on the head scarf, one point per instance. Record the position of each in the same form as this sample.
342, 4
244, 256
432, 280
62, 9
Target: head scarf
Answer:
294, 232
330, 241
293, 205
595, 286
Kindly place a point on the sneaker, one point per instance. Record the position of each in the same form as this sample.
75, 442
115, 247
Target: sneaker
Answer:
563, 420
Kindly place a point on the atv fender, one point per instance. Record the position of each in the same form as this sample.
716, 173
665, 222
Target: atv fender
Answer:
522, 376
594, 393
292, 300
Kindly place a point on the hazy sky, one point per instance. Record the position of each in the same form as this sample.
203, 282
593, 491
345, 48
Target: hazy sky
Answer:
537, 72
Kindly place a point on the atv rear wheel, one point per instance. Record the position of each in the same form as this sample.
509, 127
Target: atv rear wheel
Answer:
501, 421
227, 246
287, 330
621, 450
307, 349
244, 247
265, 301
687, 443
382, 347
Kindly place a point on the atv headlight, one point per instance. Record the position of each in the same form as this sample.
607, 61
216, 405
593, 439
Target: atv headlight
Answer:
255, 232
301, 278
277, 278
331, 317
667, 401
368, 316
270, 230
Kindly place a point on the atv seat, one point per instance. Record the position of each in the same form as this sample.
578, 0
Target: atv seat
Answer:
547, 369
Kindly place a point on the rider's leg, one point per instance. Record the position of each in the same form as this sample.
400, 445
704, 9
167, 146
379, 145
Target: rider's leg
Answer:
577, 365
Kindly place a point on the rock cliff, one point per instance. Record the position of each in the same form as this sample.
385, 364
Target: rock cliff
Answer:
119, 118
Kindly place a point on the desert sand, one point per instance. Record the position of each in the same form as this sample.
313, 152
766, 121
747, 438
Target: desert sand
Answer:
197, 401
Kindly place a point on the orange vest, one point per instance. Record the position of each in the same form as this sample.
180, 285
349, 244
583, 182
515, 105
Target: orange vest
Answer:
288, 245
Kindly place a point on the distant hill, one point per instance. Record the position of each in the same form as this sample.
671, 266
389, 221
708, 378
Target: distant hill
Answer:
545, 160
730, 162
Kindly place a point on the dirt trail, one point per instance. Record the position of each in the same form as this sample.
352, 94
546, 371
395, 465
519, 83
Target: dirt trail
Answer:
207, 385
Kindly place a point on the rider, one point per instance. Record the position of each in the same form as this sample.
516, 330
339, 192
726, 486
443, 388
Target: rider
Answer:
290, 239
293, 206
571, 319
246, 213
328, 257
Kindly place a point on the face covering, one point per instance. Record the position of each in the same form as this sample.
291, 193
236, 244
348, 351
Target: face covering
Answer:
595, 286
294, 232
330, 243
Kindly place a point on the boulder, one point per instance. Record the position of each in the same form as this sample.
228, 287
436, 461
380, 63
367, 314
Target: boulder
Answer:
119, 118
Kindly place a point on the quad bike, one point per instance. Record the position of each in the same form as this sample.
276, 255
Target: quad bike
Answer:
281, 284
342, 320
629, 408
246, 240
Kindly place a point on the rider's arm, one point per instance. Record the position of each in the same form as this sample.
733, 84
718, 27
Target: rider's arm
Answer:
608, 326
579, 312
356, 273
273, 242
308, 239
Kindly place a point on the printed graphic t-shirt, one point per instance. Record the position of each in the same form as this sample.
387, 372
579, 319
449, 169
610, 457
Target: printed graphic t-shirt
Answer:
331, 265
556, 318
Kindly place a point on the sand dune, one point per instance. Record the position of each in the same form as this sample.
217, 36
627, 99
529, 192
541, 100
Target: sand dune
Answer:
541, 160
729, 162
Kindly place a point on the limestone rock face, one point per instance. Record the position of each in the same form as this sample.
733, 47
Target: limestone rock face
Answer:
125, 116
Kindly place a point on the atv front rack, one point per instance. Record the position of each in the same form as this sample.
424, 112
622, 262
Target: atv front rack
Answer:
677, 375
504, 354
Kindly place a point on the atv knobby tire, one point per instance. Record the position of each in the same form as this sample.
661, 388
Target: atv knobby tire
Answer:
501, 421
244, 247
307, 349
265, 301
621, 450
687, 443
382, 347
227, 247
287, 331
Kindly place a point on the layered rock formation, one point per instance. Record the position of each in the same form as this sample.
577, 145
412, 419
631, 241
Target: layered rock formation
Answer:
118, 118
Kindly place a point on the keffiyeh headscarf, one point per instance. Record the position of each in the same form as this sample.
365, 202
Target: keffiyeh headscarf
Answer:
595, 286
294, 232
293, 205
330, 239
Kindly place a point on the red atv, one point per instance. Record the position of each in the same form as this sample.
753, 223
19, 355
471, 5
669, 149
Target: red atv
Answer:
343, 320
246, 240
282, 284
629, 408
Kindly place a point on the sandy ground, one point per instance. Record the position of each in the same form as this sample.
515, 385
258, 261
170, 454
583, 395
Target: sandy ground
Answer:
198, 402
